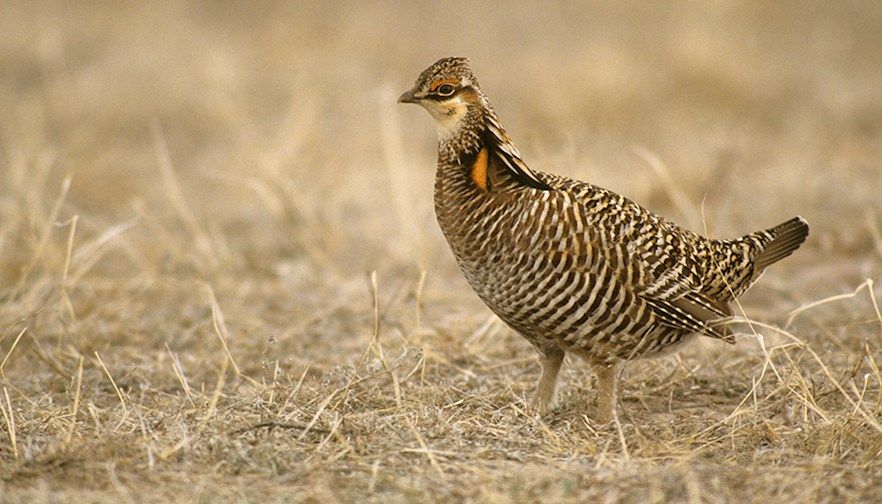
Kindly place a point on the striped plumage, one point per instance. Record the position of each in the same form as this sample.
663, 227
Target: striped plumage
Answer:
571, 266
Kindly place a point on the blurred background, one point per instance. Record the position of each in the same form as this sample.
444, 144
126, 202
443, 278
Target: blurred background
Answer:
198, 191
279, 121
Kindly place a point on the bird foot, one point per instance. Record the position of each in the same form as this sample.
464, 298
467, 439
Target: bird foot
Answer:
539, 406
602, 415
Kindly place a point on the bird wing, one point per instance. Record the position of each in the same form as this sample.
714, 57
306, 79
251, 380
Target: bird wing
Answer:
673, 283
661, 269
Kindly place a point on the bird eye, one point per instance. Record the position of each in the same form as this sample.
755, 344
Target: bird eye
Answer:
445, 90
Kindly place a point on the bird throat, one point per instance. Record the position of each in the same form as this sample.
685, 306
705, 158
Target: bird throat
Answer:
449, 119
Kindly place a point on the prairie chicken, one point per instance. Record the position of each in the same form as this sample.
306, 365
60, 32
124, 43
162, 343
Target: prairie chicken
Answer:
570, 266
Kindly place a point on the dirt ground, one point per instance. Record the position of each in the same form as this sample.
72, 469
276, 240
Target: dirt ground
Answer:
221, 279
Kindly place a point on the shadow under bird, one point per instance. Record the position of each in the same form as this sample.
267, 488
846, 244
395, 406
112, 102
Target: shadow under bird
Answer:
570, 266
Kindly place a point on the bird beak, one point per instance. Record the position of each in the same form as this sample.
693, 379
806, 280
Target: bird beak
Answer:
408, 97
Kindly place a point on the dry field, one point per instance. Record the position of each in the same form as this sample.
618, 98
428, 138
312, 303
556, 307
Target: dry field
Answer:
221, 279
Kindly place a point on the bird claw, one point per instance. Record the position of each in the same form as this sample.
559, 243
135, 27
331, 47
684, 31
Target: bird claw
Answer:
539, 407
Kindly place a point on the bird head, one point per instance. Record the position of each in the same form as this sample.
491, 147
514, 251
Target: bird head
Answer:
449, 91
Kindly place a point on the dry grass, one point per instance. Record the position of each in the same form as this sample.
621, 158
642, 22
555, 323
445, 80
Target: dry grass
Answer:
193, 198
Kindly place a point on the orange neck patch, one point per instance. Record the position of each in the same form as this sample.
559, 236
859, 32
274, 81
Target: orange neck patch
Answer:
479, 170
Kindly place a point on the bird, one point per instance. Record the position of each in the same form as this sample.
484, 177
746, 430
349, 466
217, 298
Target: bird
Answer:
570, 266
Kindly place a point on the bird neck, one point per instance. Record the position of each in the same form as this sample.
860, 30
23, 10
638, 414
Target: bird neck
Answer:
479, 136
464, 138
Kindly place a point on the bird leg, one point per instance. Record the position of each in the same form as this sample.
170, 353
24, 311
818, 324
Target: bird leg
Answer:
551, 363
607, 383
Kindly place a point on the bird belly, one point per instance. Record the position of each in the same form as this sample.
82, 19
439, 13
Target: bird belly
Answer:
555, 308
551, 304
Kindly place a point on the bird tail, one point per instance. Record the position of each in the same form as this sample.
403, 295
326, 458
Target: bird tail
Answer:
783, 240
